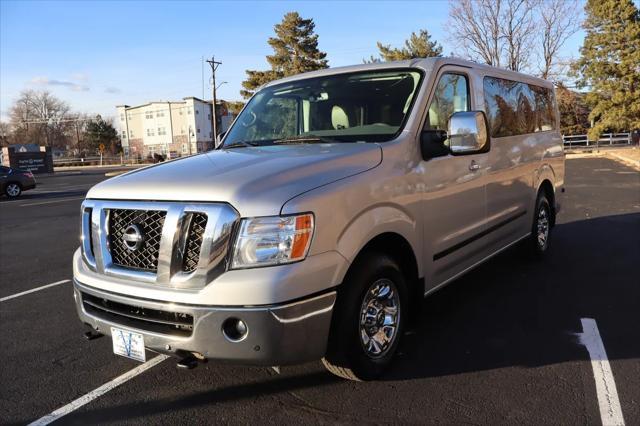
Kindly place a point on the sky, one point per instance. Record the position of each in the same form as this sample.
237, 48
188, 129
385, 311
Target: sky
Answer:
98, 54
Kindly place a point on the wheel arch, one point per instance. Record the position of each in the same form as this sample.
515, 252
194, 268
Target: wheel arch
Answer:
546, 187
399, 249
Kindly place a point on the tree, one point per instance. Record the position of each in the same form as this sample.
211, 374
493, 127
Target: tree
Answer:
509, 33
475, 28
5, 133
518, 33
610, 65
574, 112
417, 46
98, 132
40, 118
295, 51
558, 22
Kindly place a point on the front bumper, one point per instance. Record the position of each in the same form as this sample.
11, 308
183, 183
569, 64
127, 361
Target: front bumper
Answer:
281, 334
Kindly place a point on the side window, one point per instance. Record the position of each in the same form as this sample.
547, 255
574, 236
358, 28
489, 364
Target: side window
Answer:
451, 95
515, 108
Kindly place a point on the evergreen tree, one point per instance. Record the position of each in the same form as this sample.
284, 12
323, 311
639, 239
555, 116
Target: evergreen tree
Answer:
610, 65
295, 48
574, 112
98, 132
417, 46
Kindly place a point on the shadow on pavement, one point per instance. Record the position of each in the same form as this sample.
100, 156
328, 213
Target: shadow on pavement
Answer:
515, 311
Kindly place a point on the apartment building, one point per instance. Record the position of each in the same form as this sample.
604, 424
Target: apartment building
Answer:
170, 128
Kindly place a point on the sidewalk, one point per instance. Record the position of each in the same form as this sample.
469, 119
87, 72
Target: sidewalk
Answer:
630, 156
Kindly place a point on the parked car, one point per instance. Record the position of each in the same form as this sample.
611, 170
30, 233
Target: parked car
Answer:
14, 181
336, 200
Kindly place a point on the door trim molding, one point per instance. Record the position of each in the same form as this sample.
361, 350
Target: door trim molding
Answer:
477, 236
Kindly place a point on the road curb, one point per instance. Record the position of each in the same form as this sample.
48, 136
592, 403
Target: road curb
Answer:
635, 164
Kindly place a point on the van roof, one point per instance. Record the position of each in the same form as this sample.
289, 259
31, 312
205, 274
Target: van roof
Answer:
426, 64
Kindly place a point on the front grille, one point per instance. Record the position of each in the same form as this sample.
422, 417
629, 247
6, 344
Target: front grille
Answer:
150, 223
152, 320
194, 242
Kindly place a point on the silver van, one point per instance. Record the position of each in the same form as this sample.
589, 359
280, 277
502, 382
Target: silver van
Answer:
335, 201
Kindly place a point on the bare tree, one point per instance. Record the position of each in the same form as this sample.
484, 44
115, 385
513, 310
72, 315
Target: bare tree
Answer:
5, 133
518, 31
510, 33
559, 20
474, 26
40, 118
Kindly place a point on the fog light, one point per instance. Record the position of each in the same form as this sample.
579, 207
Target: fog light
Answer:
234, 329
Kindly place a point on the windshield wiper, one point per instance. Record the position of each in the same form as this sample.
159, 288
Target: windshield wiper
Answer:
239, 144
303, 139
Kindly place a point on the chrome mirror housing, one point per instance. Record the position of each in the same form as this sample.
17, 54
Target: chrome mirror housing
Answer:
468, 133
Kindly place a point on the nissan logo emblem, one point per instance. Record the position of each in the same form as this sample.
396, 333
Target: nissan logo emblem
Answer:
133, 237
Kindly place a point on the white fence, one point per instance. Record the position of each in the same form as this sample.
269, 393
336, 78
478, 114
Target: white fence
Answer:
606, 139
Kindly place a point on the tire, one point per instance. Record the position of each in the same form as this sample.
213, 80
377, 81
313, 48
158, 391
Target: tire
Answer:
541, 228
361, 346
13, 190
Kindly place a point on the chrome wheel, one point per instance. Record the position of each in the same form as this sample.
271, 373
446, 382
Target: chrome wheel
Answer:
13, 190
542, 227
379, 318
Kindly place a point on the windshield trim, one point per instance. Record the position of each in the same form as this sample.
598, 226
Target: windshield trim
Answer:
391, 137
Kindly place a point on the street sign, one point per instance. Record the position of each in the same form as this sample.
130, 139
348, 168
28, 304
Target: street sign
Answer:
101, 147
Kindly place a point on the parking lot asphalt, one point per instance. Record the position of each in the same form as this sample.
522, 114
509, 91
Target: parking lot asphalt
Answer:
498, 346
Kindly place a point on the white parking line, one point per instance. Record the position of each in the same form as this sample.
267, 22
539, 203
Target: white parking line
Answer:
610, 410
13, 296
51, 202
96, 393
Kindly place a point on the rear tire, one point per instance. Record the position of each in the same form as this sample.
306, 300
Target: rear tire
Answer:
13, 190
541, 228
368, 319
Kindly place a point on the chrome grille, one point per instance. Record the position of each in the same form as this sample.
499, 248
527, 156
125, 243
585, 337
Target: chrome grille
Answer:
174, 244
150, 222
195, 236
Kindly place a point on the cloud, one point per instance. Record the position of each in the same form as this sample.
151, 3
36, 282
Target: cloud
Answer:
112, 90
79, 76
45, 81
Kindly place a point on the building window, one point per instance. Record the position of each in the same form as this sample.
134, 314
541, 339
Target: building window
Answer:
197, 112
130, 133
148, 114
180, 112
129, 116
182, 131
209, 134
184, 148
162, 131
159, 113
189, 111
150, 132
198, 130
124, 134
208, 116
121, 117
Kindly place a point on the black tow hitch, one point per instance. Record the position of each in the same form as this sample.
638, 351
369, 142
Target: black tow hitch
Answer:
92, 335
190, 361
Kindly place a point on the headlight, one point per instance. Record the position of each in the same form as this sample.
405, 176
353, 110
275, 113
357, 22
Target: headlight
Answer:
265, 241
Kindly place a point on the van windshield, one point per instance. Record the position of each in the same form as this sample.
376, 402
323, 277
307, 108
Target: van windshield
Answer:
367, 106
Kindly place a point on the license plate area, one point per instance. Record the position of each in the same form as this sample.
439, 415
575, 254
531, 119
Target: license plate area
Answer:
128, 344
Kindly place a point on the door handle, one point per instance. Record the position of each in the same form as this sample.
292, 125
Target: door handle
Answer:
474, 166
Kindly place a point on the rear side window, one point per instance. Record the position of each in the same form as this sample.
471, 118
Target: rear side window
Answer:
516, 108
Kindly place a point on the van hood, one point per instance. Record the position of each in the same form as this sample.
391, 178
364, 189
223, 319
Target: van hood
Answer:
257, 181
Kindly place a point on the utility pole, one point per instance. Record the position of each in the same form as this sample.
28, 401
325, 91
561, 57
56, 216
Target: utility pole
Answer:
214, 119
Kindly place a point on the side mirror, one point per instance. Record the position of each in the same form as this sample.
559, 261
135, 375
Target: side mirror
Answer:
468, 133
